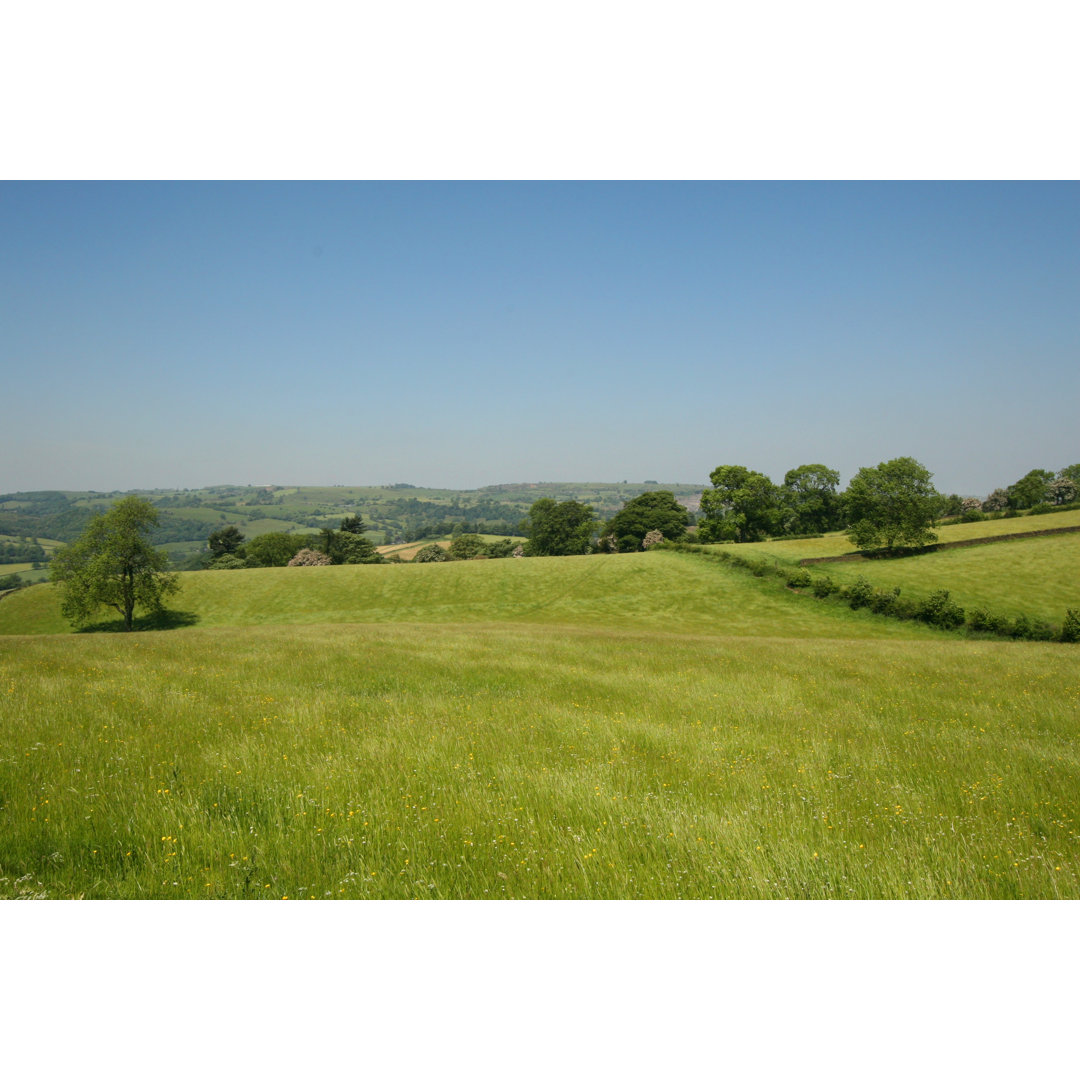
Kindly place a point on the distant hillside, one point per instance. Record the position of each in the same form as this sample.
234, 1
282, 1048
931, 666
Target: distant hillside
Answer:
396, 513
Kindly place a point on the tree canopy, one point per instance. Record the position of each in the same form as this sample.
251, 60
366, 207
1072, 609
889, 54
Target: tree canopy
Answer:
114, 565
742, 506
811, 498
892, 505
652, 511
563, 528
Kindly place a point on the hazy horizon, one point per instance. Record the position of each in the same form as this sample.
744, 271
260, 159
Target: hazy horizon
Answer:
462, 335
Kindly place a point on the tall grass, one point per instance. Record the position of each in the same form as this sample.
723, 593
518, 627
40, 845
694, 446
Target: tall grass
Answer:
535, 761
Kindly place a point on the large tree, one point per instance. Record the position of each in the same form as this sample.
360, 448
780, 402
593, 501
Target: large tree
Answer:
812, 499
742, 506
655, 510
114, 565
892, 505
1030, 489
563, 528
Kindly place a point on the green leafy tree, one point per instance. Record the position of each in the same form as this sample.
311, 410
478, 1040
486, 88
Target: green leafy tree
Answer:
274, 548
652, 511
743, 506
431, 553
351, 548
1030, 489
114, 565
563, 528
353, 524
812, 499
468, 546
225, 541
892, 505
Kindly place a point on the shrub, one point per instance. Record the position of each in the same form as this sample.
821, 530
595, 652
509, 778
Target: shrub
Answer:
859, 593
799, 578
1070, 628
1041, 508
972, 515
228, 562
823, 587
431, 553
938, 610
467, 546
883, 602
501, 549
654, 536
986, 622
10, 581
1011, 512
307, 557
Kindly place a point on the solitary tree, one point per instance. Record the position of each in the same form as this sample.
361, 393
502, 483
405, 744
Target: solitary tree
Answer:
114, 565
892, 505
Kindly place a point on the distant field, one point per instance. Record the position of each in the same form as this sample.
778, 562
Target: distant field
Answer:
838, 543
408, 551
656, 591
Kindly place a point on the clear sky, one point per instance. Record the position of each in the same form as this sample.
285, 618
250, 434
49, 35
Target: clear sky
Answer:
465, 334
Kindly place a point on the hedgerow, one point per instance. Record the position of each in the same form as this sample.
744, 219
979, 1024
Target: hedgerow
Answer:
937, 609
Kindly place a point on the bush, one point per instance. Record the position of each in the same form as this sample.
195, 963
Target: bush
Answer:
1070, 628
972, 515
467, 546
938, 610
1041, 508
859, 593
10, 581
1011, 513
823, 587
431, 553
228, 562
884, 601
307, 557
799, 578
653, 537
988, 623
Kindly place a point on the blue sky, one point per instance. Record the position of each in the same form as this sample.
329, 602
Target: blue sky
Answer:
464, 334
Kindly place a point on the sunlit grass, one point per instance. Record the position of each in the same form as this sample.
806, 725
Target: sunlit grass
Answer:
510, 761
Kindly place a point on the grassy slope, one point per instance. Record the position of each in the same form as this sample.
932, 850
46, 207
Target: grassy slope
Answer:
655, 591
1039, 576
838, 544
628, 726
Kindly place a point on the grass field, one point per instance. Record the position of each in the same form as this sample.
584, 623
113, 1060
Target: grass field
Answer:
645, 725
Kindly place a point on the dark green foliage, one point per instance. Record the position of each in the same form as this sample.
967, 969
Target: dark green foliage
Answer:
563, 528
1041, 508
228, 562
938, 610
885, 601
987, 622
353, 524
972, 515
811, 499
114, 565
1070, 628
353, 548
743, 505
891, 506
10, 581
469, 546
799, 578
431, 553
274, 548
22, 550
653, 510
225, 541
823, 587
859, 593
1030, 490
501, 549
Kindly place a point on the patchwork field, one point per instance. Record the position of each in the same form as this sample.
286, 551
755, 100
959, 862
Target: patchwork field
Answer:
645, 725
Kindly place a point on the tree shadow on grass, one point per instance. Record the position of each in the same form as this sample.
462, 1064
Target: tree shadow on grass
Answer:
160, 620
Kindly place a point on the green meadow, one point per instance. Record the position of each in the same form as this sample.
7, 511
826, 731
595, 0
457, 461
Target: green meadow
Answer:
633, 726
